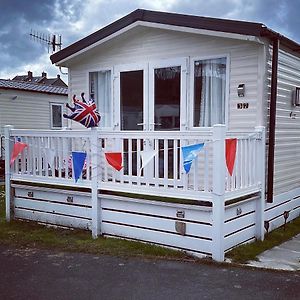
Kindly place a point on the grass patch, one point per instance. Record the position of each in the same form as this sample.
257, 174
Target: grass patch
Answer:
31, 234
248, 252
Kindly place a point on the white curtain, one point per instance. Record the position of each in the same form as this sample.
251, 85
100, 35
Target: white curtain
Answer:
212, 99
103, 98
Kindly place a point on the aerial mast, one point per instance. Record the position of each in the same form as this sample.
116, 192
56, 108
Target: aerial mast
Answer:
52, 40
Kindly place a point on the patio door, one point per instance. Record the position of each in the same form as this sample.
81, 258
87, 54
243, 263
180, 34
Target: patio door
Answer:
162, 107
131, 97
167, 112
167, 95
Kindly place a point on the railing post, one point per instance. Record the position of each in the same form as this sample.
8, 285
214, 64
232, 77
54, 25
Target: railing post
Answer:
7, 143
261, 166
96, 213
218, 193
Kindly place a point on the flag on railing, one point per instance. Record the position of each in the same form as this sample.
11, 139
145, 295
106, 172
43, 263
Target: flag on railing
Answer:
78, 159
114, 159
50, 154
84, 112
18, 148
189, 153
230, 151
146, 157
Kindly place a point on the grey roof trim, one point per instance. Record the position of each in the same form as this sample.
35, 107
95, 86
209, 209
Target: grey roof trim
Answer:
213, 24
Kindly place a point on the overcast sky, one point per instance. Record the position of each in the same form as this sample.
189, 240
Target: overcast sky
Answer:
74, 19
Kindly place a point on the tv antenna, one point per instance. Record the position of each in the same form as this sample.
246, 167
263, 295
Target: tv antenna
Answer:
52, 40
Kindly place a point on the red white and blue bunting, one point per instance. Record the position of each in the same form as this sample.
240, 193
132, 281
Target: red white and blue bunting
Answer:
77, 160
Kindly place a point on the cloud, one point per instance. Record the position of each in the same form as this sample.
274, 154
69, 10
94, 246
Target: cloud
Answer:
19, 52
75, 19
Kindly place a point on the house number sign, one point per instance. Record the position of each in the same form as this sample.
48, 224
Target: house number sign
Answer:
242, 105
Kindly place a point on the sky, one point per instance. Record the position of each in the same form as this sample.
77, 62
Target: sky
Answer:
75, 19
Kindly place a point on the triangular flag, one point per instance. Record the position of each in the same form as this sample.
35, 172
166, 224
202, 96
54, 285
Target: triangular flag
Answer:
78, 159
114, 159
50, 154
230, 154
18, 148
189, 153
146, 157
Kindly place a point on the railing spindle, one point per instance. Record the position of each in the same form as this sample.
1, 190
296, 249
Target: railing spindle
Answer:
166, 160
175, 162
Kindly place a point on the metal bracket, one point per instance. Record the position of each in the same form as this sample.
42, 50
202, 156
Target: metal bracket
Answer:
70, 199
180, 214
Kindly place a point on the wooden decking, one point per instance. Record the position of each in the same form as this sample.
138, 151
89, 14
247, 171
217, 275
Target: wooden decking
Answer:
202, 230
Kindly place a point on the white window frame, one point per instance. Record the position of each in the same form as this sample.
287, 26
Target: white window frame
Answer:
51, 115
111, 94
191, 106
165, 63
116, 87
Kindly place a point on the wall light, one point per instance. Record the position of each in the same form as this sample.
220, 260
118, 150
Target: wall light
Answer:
241, 90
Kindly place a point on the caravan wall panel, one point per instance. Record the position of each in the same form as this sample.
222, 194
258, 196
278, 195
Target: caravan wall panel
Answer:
143, 45
52, 206
156, 222
287, 133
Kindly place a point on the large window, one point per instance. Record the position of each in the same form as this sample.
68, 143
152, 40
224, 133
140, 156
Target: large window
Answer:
56, 110
100, 91
209, 92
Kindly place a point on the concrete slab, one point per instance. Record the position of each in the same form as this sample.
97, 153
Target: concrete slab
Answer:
283, 257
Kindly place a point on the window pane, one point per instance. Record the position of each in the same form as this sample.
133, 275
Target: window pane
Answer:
100, 91
167, 98
209, 92
132, 99
56, 115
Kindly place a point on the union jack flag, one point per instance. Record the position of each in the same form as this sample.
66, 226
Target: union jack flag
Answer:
84, 113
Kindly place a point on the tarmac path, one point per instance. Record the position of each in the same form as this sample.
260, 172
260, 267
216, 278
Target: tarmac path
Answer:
46, 274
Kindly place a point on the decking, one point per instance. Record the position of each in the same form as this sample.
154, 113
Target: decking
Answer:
213, 211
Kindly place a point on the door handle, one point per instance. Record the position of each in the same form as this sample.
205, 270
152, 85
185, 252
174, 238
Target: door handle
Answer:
140, 124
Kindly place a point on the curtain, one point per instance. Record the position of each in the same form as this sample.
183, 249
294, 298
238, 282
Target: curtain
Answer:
210, 100
103, 98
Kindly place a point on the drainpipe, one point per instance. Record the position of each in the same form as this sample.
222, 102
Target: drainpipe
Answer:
272, 121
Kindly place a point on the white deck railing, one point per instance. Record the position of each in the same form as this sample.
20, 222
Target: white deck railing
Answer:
48, 160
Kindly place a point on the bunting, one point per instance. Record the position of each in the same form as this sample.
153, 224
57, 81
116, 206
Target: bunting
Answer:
78, 159
146, 157
50, 154
18, 148
230, 150
189, 153
114, 159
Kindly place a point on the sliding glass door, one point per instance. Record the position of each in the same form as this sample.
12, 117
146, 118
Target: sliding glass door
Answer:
162, 107
167, 95
130, 88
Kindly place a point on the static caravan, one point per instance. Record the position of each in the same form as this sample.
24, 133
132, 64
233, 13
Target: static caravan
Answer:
163, 82
31, 105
